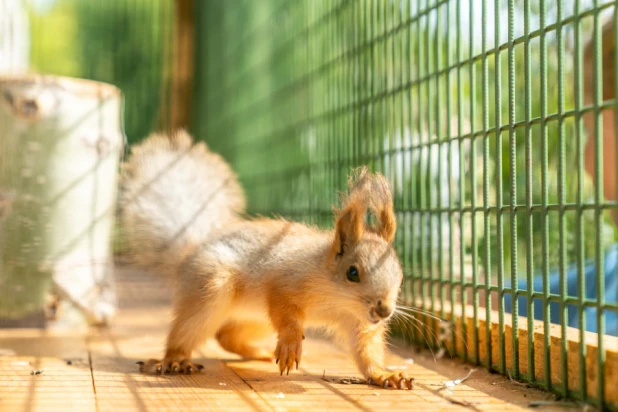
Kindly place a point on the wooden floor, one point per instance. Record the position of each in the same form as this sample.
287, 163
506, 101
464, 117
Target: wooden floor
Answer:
95, 370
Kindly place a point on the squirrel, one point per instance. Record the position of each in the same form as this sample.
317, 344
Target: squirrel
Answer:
243, 279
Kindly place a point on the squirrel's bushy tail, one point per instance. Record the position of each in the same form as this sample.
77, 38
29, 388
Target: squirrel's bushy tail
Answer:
173, 195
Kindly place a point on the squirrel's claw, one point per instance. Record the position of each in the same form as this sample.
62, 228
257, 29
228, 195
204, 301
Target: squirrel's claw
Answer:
288, 352
170, 366
393, 380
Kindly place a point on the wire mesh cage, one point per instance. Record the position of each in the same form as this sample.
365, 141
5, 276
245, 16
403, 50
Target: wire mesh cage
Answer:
494, 121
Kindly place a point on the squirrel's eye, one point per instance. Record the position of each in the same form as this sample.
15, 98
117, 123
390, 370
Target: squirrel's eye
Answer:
353, 274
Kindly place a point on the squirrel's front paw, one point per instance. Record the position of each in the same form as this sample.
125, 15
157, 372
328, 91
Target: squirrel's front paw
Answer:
289, 350
397, 380
169, 366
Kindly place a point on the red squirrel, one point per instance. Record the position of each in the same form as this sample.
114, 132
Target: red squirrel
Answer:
241, 279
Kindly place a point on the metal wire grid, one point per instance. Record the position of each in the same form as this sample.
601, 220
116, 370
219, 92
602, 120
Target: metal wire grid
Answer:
476, 138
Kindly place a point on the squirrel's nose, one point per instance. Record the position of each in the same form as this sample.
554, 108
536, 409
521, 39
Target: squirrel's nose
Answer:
384, 311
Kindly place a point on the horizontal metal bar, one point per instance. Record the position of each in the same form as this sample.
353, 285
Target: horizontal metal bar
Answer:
324, 116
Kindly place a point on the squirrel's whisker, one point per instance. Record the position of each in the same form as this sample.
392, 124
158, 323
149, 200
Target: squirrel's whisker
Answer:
429, 329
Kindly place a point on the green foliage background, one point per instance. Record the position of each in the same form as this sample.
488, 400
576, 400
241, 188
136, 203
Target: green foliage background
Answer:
123, 42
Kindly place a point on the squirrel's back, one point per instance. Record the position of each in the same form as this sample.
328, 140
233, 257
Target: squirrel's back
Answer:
174, 193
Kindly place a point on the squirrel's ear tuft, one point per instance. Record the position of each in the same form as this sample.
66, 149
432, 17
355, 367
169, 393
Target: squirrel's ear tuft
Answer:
388, 225
373, 192
366, 191
348, 228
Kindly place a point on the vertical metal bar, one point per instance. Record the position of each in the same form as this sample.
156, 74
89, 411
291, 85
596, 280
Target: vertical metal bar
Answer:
374, 81
513, 200
397, 166
375, 107
334, 124
378, 135
338, 137
564, 315
347, 75
440, 183
529, 173
383, 100
473, 194
421, 177
428, 181
396, 74
486, 187
361, 85
414, 120
320, 102
598, 200
369, 58
544, 201
451, 184
362, 82
393, 152
579, 228
499, 204
462, 187
404, 48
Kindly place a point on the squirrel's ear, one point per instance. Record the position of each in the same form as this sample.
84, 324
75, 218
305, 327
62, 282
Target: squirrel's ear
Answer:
382, 205
388, 225
348, 229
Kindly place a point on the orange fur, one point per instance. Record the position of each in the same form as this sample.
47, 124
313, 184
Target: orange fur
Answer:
389, 226
237, 337
348, 228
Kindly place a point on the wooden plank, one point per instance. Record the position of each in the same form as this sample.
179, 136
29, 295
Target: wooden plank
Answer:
140, 332
307, 389
228, 382
573, 353
118, 383
60, 387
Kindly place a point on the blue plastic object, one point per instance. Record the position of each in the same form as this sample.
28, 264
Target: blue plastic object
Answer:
611, 294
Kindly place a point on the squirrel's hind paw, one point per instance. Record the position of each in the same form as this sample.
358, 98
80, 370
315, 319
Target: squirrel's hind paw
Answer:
392, 380
169, 366
262, 355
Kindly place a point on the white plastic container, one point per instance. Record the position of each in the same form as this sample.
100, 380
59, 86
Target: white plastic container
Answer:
60, 145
